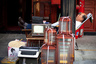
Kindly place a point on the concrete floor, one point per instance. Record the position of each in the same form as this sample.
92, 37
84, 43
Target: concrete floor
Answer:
87, 50
5, 39
86, 54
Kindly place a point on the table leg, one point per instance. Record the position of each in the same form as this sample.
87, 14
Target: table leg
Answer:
39, 43
27, 42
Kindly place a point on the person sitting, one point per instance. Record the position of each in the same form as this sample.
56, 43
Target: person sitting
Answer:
79, 19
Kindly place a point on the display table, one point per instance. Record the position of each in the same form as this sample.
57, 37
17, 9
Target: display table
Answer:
34, 40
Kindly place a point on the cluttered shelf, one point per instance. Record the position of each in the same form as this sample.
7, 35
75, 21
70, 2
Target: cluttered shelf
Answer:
30, 37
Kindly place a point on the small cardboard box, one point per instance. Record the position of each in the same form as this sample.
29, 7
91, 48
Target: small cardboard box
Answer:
6, 60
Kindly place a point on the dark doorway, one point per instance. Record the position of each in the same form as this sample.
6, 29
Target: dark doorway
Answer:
16, 8
28, 11
12, 12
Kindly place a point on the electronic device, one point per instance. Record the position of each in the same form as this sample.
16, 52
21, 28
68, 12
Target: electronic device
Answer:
37, 20
30, 52
29, 55
38, 29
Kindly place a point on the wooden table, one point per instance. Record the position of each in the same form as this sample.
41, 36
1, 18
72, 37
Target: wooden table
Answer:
31, 38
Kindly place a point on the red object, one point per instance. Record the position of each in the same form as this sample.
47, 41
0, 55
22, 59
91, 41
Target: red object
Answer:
77, 33
77, 7
55, 2
81, 29
59, 6
81, 4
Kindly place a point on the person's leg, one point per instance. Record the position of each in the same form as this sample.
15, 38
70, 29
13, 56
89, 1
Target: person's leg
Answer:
22, 22
21, 26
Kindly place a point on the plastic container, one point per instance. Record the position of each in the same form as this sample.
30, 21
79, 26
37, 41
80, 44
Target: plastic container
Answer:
13, 48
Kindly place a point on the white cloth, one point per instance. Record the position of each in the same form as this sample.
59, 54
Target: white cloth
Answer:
77, 24
54, 24
57, 23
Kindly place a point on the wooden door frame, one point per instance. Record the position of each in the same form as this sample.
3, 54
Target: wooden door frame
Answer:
93, 6
43, 11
